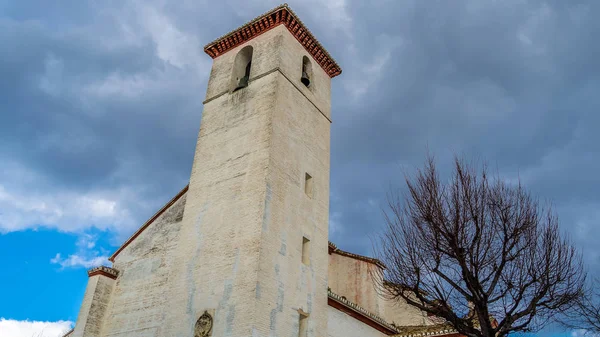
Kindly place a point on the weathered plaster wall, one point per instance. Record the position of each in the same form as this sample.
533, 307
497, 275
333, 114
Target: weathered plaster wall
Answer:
400, 313
93, 310
275, 49
138, 303
246, 211
350, 277
342, 325
299, 145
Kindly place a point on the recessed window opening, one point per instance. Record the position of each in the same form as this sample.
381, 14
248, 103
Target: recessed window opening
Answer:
306, 71
241, 68
303, 325
305, 251
308, 185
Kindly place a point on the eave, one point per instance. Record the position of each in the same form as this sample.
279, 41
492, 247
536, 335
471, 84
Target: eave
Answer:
359, 313
333, 249
282, 15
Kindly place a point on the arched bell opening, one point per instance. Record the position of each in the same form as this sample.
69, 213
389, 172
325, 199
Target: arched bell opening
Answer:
306, 72
241, 69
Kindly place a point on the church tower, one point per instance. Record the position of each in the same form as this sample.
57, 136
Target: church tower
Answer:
252, 252
243, 250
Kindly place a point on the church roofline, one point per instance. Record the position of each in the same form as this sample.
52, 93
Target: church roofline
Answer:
361, 314
427, 331
354, 310
334, 249
149, 222
281, 15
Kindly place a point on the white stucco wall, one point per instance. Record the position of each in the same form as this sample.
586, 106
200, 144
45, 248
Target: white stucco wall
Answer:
246, 211
140, 294
93, 311
342, 325
401, 313
350, 277
232, 245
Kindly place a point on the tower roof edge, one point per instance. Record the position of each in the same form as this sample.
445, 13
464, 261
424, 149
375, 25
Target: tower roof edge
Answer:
280, 15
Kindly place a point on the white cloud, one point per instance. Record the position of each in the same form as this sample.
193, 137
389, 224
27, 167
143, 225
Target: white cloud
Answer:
583, 333
75, 261
85, 257
173, 45
367, 73
14, 328
335, 14
27, 201
68, 211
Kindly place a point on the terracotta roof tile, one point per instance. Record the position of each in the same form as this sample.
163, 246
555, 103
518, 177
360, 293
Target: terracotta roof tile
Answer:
268, 21
334, 249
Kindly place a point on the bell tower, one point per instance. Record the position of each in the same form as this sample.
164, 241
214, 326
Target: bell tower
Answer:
253, 245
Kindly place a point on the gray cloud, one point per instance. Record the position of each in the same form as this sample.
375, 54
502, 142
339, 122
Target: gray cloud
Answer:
102, 102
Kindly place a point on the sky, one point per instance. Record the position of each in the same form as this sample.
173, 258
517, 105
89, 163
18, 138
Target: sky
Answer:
101, 101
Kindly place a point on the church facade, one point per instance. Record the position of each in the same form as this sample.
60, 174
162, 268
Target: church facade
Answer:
243, 250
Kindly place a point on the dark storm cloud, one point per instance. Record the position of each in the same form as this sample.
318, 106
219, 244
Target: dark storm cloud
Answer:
68, 117
107, 97
511, 82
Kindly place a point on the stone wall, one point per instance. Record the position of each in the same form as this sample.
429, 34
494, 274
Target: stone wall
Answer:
247, 211
93, 311
401, 313
343, 325
138, 303
350, 277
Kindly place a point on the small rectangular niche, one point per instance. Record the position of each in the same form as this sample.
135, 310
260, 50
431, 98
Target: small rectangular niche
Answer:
303, 325
308, 185
305, 251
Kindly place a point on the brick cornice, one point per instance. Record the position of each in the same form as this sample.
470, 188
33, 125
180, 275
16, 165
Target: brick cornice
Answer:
282, 15
104, 271
427, 331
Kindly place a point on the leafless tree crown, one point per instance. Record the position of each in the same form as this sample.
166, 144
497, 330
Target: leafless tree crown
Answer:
585, 314
477, 252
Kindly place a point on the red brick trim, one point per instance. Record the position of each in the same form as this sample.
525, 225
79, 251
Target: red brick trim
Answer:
104, 271
282, 15
149, 222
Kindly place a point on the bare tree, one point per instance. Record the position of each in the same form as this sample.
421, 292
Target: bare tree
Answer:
585, 314
478, 252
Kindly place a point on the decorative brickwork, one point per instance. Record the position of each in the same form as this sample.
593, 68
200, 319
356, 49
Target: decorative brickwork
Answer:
281, 15
426, 331
105, 271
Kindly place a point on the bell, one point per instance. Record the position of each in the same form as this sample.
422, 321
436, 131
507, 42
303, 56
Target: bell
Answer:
304, 79
242, 83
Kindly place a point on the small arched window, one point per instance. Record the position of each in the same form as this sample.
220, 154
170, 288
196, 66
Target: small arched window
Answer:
241, 68
306, 71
